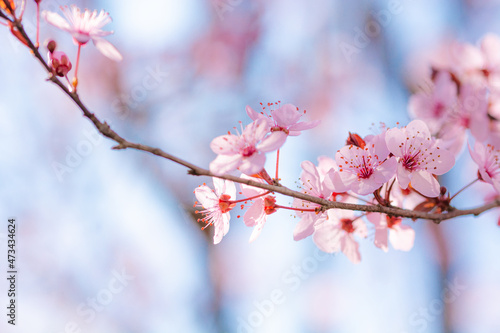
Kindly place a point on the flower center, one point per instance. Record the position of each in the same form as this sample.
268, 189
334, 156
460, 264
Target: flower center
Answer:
279, 128
365, 170
392, 221
225, 203
411, 162
269, 205
248, 151
347, 225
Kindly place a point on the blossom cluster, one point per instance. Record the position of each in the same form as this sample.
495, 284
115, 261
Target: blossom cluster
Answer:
396, 167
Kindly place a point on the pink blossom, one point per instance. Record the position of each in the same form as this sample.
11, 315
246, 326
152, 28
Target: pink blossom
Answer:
490, 49
322, 182
433, 107
365, 169
217, 204
59, 62
470, 113
419, 157
390, 228
337, 233
84, 27
245, 151
487, 159
256, 215
401, 236
285, 118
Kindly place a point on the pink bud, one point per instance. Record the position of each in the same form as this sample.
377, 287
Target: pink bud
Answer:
59, 62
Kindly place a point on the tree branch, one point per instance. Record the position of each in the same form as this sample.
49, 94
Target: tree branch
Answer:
106, 131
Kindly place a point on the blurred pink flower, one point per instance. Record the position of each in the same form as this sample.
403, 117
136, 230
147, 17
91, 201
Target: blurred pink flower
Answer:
337, 233
365, 169
245, 152
285, 118
402, 237
434, 106
84, 27
217, 204
487, 159
419, 157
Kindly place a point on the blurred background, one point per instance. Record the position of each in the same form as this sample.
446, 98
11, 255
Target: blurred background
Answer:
107, 240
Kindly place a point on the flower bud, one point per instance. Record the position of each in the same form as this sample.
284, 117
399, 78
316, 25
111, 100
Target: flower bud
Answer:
59, 62
51, 45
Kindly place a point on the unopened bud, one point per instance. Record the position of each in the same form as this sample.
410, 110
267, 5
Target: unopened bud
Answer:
51, 45
59, 62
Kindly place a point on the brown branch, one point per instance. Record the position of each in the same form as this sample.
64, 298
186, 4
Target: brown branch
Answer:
106, 130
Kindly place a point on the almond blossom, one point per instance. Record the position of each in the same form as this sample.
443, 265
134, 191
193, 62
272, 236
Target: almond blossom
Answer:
285, 118
245, 152
262, 206
337, 233
419, 157
365, 168
217, 204
487, 159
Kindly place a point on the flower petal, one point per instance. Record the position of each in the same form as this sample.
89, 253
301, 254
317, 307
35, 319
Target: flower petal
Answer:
286, 115
402, 237
272, 142
425, 183
56, 20
253, 164
107, 49
327, 237
225, 163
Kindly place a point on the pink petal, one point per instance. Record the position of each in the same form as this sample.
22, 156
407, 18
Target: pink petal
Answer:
206, 196
305, 227
334, 182
425, 183
286, 115
302, 126
250, 191
386, 171
442, 162
107, 49
253, 164
350, 248
224, 187
272, 142
56, 20
402, 237
226, 144
403, 176
256, 131
251, 113
327, 237
221, 228
393, 138
225, 163
255, 213
490, 46
381, 239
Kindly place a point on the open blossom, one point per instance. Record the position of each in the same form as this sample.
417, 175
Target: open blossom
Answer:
487, 159
419, 157
256, 215
84, 27
365, 168
245, 152
217, 203
337, 233
286, 118
322, 182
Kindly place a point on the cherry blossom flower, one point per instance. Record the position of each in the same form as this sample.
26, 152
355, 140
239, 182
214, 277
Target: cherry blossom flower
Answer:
470, 113
262, 206
337, 233
487, 159
217, 204
364, 169
323, 182
433, 107
245, 152
419, 157
401, 237
84, 27
390, 228
59, 62
285, 118
490, 49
